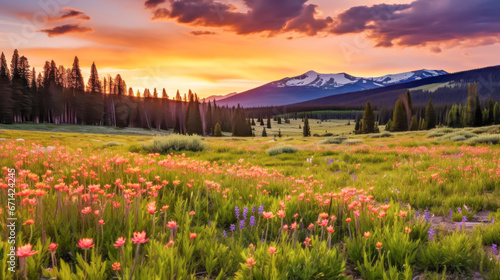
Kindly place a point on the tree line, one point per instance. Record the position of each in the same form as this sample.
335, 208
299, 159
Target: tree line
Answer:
59, 95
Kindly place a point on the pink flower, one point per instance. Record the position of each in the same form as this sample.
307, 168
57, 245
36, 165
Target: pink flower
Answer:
86, 243
140, 237
119, 242
271, 250
172, 224
53, 246
101, 222
25, 251
151, 207
170, 244
192, 235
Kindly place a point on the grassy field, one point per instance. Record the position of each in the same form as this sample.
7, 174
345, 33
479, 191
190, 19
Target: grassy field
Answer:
382, 206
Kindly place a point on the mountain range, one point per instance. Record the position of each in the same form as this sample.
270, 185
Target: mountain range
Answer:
312, 85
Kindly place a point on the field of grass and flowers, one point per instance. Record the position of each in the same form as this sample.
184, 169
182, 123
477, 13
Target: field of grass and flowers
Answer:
138, 206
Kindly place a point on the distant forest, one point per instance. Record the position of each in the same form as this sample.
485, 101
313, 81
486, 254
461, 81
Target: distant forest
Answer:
59, 96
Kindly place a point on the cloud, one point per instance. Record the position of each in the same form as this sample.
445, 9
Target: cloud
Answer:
69, 13
66, 29
262, 16
201, 32
444, 23
153, 3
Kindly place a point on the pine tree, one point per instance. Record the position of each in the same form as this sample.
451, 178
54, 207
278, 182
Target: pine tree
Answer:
368, 119
306, 131
357, 125
76, 78
6, 101
269, 123
217, 130
490, 105
253, 122
264, 133
279, 120
414, 124
472, 104
399, 120
208, 120
388, 125
94, 102
430, 116
261, 122
279, 133
496, 113
194, 124
241, 127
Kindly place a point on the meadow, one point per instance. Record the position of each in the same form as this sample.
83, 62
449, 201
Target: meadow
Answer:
105, 203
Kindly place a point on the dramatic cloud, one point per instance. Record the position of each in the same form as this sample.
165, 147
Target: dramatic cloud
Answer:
425, 22
269, 16
153, 3
200, 32
66, 29
68, 13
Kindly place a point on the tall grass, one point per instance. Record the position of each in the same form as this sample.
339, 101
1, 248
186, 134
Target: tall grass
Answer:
174, 142
281, 150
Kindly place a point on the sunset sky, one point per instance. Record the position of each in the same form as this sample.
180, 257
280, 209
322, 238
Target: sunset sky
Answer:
223, 46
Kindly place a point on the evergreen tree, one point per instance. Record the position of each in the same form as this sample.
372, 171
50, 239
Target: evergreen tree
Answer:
264, 133
357, 125
253, 122
76, 78
496, 113
279, 133
490, 106
279, 120
388, 125
194, 124
472, 104
368, 119
6, 101
399, 120
208, 120
241, 127
217, 130
306, 131
430, 116
268, 123
94, 101
414, 124
261, 122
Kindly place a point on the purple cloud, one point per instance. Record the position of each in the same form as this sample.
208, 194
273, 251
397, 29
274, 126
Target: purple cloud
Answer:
153, 3
69, 13
425, 22
263, 16
66, 29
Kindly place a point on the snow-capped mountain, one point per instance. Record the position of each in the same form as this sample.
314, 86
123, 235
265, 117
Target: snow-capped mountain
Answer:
312, 85
330, 81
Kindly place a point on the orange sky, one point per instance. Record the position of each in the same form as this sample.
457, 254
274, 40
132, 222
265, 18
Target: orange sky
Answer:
120, 37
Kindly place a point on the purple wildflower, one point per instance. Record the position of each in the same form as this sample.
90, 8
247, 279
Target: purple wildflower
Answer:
245, 211
253, 209
431, 234
224, 233
237, 211
261, 209
451, 214
232, 227
209, 223
252, 221
494, 249
459, 210
242, 224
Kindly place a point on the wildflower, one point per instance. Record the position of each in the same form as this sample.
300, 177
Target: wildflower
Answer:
116, 266
268, 215
431, 234
250, 262
86, 210
271, 250
96, 212
307, 242
323, 215
28, 222
140, 237
348, 220
101, 222
245, 211
151, 207
407, 230
252, 221
366, 234
242, 224
494, 249
25, 251
170, 244
253, 209
192, 236
330, 229
451, 214
285, 227
310, 226
224, 233
379, 245
385, 207
192, 213
119, 242
232, 227
172, 224
281, 213
86, 243
261, 209
237, 211
53, 246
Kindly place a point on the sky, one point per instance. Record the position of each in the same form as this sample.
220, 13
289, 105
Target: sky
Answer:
216, 47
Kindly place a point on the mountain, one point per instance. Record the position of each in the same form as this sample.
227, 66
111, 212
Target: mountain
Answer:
443, 89
312, 85
219, 97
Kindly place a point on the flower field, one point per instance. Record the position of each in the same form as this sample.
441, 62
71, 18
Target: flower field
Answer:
396, 208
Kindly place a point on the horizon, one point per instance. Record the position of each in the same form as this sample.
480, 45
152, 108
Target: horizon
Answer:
183, 45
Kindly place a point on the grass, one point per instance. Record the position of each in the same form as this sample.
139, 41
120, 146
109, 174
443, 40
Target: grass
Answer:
202, 180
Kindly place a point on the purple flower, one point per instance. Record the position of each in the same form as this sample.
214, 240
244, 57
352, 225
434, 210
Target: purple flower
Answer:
451, 214
224, 233
417, 214
427, 215
242, 224
253, 209
232, 227
237, 211
494, 249
261, 209
459, 210
252, 221
431, 234
209, 223
245, 211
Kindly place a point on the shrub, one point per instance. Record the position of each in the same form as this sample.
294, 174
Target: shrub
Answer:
174, 142
353, 141
111, 144
381, 135
485, 139
281, 150
334, 140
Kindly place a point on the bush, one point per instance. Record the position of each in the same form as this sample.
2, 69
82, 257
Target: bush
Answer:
485, 139
281, 150
334, 140
174, 142
111, 144
381, 135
